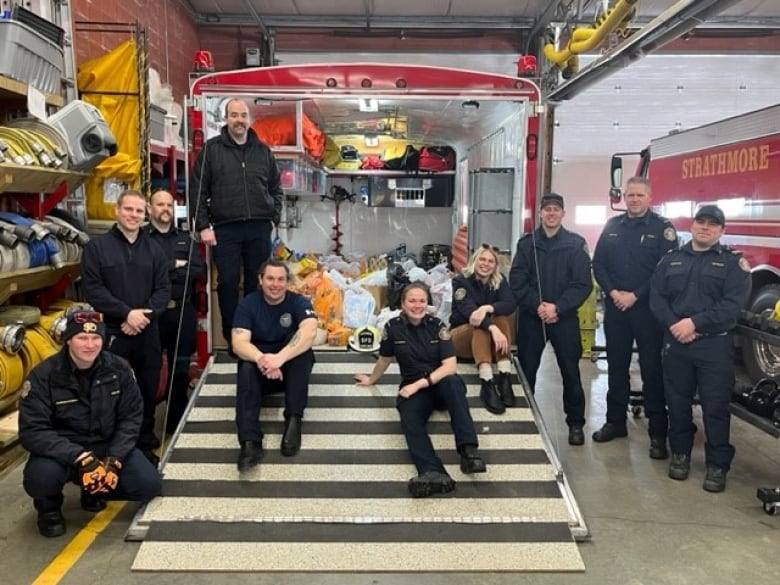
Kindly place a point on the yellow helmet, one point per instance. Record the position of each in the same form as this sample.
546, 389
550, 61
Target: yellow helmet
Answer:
365, 339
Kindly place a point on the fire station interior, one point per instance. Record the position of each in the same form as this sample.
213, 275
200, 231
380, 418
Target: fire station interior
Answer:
615, 516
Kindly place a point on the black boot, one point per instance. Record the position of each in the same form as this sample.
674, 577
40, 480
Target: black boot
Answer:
291, 440
658, 448
429, 483
470, 461
251, 452
490, 398
51, 523
504, 385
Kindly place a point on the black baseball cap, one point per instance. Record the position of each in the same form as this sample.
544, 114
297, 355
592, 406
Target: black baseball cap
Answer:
712, 211
553, 198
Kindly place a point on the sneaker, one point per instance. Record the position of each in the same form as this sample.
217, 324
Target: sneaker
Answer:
679, 466
658, 448
51, 524
470, 461
429, 483
715, 480
490, 398
576, 435
503, 382
250, 454
92, 502
608, 432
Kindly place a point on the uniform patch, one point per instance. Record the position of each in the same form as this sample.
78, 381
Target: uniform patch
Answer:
26, 386
460, 294
285, 320
444, 334
744, 264
384, 334
670, 234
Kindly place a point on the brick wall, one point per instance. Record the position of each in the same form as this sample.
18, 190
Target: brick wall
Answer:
172, 40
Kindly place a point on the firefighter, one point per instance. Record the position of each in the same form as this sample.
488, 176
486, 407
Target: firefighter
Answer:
696, 293
422, 346
626, 254
550, 278
178, 323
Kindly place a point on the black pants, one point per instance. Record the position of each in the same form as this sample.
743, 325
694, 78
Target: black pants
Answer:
621, 328
144, 354
707, 365
239, 242
532, 336
252, 385
177, 337
44, 479
448, 394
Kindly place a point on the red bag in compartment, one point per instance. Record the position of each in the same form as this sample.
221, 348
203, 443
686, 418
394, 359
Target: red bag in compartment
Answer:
437, 158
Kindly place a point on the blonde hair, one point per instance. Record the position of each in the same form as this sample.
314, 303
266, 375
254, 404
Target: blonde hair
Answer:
494, 281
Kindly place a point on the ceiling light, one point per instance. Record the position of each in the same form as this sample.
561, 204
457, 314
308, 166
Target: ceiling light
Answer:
368, 105
371, 140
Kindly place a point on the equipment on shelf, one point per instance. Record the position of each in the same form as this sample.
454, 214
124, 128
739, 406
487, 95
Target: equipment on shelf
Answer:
87, 133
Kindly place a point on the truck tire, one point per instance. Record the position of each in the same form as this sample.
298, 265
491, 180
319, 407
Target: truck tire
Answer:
761, 359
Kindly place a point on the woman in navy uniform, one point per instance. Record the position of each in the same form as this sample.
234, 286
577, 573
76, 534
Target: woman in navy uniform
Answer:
482, 303
422, 347
696, 293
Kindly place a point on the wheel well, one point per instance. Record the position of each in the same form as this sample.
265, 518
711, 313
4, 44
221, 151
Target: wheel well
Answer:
760, 278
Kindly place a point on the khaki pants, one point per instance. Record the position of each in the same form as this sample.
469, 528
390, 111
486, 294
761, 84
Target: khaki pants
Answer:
476, 343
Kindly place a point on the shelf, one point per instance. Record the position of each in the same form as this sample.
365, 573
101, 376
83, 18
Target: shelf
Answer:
167, 150
383, 173
20, 281
13, 89
23, 179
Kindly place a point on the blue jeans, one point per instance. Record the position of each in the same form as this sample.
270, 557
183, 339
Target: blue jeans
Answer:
448, 394
239, 242
44, 479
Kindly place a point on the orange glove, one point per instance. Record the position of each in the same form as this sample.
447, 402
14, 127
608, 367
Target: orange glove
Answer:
92, 473
113, 467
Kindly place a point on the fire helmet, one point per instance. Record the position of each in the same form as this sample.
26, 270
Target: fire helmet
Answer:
365, 339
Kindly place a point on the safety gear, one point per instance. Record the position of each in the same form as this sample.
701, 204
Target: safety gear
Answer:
113, 467
84, 322
92, 473
365, 339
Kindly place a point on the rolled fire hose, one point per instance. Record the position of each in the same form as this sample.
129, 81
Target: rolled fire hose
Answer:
19, 314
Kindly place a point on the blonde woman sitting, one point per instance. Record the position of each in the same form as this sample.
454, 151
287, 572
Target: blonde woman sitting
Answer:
481, 305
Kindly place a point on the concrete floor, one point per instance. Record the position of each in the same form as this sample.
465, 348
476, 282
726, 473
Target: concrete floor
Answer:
646, 528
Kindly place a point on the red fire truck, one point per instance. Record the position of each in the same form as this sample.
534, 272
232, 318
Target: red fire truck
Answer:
734, 163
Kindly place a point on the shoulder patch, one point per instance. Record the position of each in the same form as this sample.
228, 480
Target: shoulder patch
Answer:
744, 264
670, 234
25, 389
444, 334
460, 294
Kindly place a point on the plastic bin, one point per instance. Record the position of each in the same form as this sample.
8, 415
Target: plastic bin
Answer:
29, 57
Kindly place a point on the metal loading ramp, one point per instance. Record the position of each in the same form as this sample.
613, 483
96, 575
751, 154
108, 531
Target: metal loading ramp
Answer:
341, 504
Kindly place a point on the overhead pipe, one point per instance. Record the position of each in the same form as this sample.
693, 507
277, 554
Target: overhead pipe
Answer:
665, 28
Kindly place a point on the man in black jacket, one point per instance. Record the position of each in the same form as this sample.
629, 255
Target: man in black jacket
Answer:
235, 197
550, 278
178, 323
125, 277
79, 416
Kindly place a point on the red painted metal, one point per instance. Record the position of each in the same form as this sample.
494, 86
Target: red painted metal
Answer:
39, 204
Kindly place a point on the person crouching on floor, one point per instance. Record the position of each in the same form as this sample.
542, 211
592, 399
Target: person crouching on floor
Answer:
482, 303
273, 333
422, 347
80, 414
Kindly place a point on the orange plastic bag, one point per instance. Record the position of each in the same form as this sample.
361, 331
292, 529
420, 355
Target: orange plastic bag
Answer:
328, 303
280, 131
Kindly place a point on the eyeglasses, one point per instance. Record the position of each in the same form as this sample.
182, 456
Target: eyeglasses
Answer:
489, 247
87, 317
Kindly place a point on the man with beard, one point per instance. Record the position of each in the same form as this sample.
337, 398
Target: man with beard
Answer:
125, 276
178, 323
235, 197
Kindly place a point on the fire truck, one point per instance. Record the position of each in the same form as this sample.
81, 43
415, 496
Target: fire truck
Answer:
733, 163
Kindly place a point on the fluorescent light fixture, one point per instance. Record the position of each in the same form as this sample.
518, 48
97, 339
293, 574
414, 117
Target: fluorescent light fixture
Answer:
371, 140
368, 105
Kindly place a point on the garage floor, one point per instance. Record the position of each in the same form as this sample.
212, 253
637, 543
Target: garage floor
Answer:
646, 528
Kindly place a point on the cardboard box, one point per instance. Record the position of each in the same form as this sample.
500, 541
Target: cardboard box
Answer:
380, 294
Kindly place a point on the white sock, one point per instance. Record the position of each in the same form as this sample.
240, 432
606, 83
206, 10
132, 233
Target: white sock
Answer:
485, 372
504, 366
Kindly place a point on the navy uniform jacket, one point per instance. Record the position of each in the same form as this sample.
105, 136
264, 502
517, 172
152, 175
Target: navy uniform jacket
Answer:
60, 419
628, 251
468, 294
709, 287
418, 349
118, 276
178, 245
272, 326
564, 271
